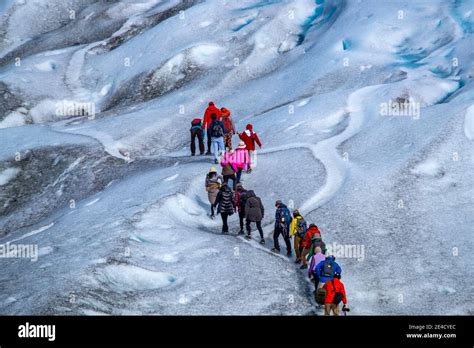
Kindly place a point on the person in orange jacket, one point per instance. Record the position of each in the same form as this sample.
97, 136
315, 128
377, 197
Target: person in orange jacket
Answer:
249, 137
229, 126
306, 243
211, 109
335, 294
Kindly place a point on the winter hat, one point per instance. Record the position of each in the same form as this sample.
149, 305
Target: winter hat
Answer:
212, 170
249, 127
278, 202
296, 212
225, 112
242, 145
211, 103
313, 225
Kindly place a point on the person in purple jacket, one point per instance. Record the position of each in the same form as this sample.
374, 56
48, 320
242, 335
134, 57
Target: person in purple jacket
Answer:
315, 260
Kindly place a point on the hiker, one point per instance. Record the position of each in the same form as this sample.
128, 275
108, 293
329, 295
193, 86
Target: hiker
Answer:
240, 199
326, 269
335, 294
306, 243
241, 160
217, 131
298, 229
254, 212
282, 226
249, 137
228, 170
197, 132
229, 126
211, 109
213, 184
315, 260
225, 205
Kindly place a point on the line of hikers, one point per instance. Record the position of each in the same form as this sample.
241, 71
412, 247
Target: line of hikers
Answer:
219, 127
308, 245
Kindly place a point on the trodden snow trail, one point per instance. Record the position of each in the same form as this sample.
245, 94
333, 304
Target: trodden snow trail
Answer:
326, 150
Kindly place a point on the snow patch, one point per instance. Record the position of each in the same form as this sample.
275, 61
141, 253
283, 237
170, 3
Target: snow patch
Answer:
123, 278
7, 175
428, 168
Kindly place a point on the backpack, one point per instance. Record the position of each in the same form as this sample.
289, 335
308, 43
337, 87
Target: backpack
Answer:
217, 130
301, 228
226, 122
320, 296
328, 269
196, 123
337, 296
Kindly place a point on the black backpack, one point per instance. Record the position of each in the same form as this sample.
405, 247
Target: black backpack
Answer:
328, 269
337, 296
216, 130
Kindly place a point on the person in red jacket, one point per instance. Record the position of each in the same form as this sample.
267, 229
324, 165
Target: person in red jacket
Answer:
332, 288
249, 137
306, 243
211, 109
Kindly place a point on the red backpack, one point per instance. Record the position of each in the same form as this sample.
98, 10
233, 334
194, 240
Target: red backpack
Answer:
227, 123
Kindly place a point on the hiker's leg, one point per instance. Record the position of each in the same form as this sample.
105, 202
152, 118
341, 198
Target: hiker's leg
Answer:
225, 227
276, 234
297, 247
221, 146
208, 140
327, 309
201, 142
335, 309
247, 226
234, 181
303, 255
193, 145
286, 237
239, 174
212, 209
259, 227
241, 220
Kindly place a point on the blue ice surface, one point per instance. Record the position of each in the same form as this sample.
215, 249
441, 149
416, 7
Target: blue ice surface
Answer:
346, 44
465, 25
241, 26
310, 21
261, 3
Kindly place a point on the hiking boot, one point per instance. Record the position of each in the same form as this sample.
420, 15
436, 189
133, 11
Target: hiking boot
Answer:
276, 251
213, 217
249, 170
216, 161
304, 267
202, 153
208, 153
241, 232
225, 232
297, 261
289, 254
192, 154
248, 237
262, 241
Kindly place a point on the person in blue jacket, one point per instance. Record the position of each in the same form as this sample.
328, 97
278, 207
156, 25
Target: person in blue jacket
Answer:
326, 269
217, 131
283, 220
